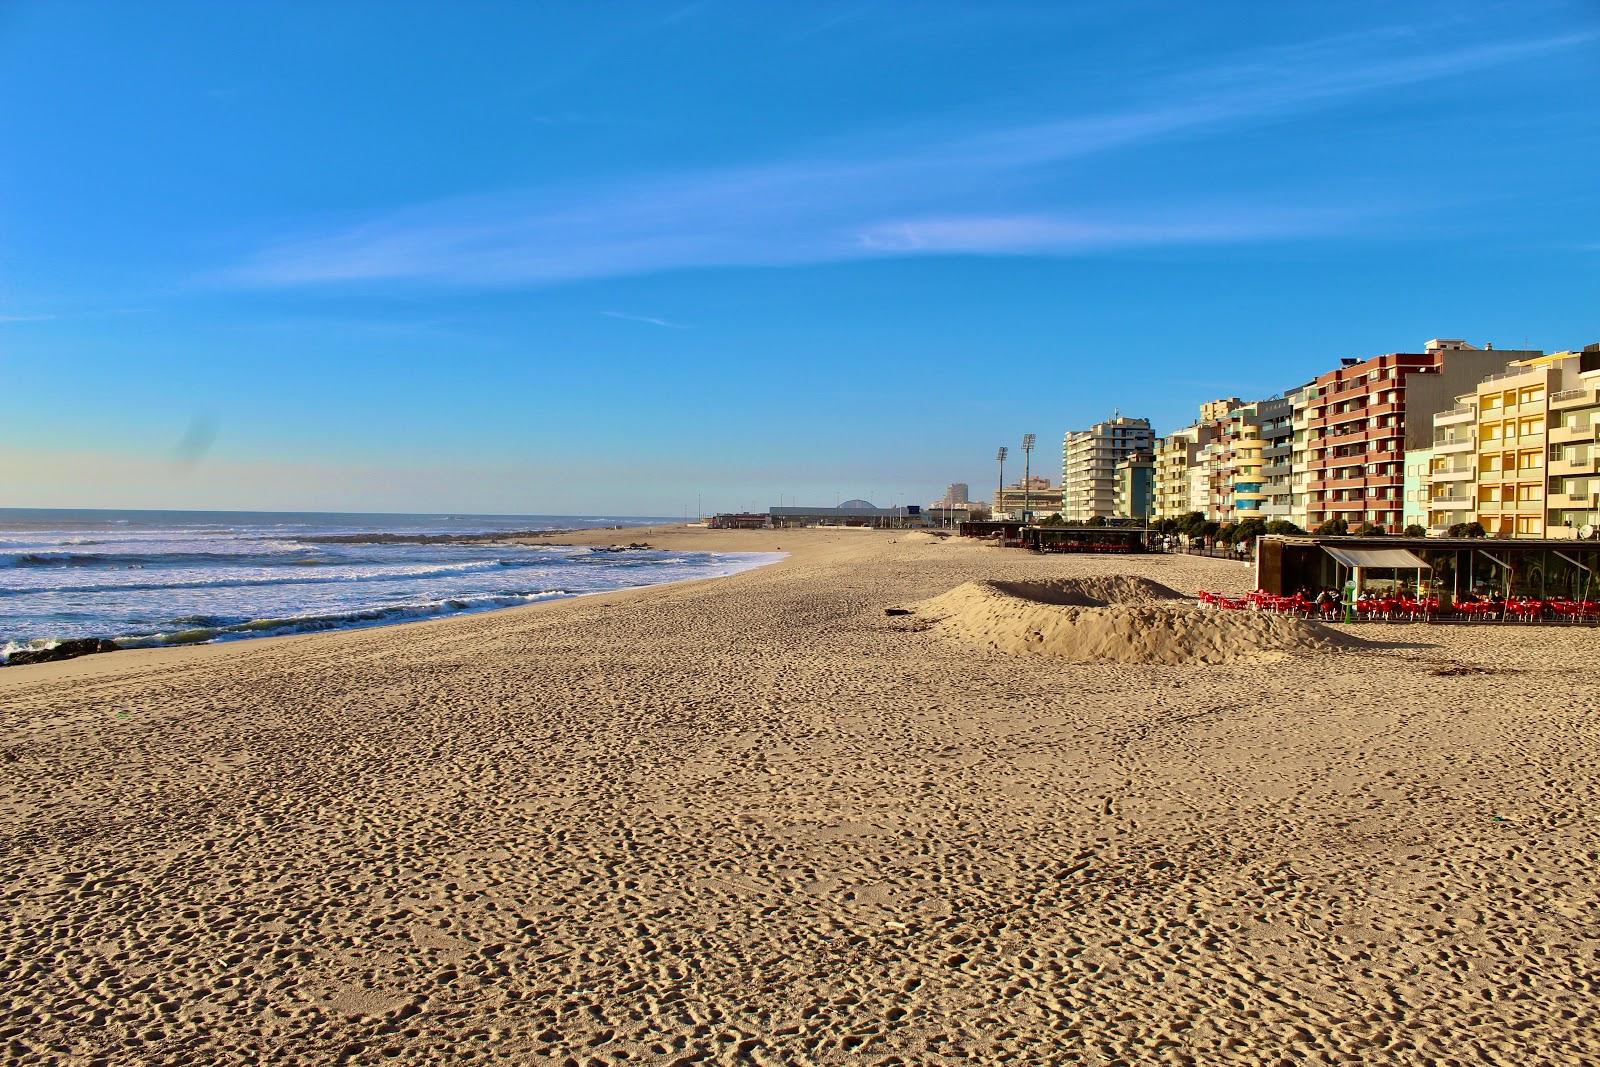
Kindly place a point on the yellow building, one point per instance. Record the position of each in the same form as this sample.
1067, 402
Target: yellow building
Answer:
1246, 484
1177, 456
1517, 438
1511, 449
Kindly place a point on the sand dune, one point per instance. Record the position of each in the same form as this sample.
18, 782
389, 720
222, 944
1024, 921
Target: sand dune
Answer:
758, 820
1117, 619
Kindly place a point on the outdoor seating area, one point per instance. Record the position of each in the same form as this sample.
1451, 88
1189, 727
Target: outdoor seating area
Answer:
1404, 608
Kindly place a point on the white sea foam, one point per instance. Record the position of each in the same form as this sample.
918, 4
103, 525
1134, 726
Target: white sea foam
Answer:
149, 582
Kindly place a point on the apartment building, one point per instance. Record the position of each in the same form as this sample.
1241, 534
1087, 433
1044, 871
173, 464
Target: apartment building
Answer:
1276, 418
1240, 483
1136, 488
1573, 499
1089, 461
1357, 430
1451, 483
1512, 416
1176, 460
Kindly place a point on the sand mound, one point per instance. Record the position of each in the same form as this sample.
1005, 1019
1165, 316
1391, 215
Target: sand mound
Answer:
1117, 619
923, 537
1097, 592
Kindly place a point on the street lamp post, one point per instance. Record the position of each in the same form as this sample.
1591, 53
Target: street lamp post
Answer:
1027, 473
1000, 495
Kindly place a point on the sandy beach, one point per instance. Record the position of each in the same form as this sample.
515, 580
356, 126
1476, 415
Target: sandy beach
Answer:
756, 819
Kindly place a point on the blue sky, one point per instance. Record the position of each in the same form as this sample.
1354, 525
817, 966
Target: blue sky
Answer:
612, 258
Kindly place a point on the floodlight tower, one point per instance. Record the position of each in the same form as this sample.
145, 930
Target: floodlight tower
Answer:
1027, 471
1000, 497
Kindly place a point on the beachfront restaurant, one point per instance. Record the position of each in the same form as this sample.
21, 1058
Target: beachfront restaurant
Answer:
1005, 529
1455, 569
1119, 539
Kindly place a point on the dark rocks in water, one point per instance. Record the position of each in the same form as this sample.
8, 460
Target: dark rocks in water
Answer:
78, 646
633, 546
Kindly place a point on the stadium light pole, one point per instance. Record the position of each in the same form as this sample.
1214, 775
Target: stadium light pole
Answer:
1000, 495
1027, 472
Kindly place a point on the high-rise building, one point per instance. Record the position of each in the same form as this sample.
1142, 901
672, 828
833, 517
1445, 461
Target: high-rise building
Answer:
955, 495
1135, 494
1505, 455
1299, 473
1089, 461
1177, 460
1358, 432
1574, 473
1276, 416
1451, 484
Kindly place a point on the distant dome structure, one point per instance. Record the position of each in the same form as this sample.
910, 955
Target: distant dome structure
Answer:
858, 505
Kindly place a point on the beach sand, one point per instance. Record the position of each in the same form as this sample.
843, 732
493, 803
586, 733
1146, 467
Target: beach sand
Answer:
757, 819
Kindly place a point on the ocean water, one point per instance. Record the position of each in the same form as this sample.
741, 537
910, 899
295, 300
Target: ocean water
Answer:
148, 578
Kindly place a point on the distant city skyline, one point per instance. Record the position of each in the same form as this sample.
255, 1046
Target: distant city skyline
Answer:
650, 259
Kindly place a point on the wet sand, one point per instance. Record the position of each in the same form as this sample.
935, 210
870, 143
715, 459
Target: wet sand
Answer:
756, 819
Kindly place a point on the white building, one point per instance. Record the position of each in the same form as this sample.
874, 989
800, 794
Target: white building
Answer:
1089, 461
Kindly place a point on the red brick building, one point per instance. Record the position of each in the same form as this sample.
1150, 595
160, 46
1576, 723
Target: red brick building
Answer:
1360, 419
1356, 439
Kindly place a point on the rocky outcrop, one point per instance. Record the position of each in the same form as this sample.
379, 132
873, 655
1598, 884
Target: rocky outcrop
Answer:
80, 646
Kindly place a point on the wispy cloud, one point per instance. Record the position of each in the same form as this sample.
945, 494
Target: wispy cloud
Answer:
26, 318
930, 197
646, 319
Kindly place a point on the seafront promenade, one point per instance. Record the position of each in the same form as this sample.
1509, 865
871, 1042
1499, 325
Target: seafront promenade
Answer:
759, 819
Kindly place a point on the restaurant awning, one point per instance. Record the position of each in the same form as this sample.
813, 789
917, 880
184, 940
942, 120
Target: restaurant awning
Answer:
1397, 559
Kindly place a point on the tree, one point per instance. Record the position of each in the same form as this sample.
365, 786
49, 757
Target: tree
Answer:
1414, 531
1366, 529
1250, 529
1098, 520
1191, 524
1053, 519
1475, 529
1284, 528
1333, 528
1229, 533
1209, 528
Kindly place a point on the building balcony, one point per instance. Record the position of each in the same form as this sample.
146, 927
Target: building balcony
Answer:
1564, 434
1571, 467
1453, 474
1339, 505
1450, 503
1358, 391
1455, 416
1451, 447
1354, 437
1573, 501
1588, 396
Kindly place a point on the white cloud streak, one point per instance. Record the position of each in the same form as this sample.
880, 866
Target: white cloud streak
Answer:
646, 319
872, 204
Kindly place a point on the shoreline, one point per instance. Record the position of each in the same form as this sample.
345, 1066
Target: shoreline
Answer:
758, 812
102, 645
